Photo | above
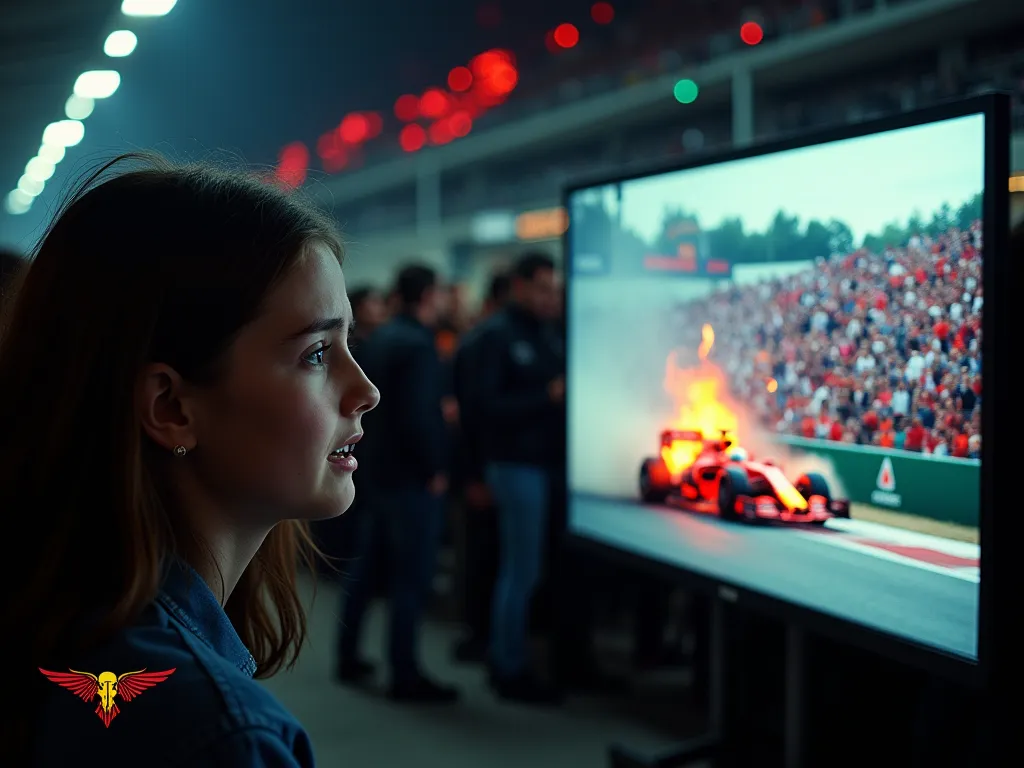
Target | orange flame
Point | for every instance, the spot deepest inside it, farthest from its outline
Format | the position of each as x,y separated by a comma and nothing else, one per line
707,341
699,406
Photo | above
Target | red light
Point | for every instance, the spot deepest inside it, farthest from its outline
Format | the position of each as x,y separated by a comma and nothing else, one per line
484,63
434,103
355,128
407,108
495,77
506,56
501,81
471,105
460,123
293,163
374,124
566,36
412,137
460,79
441,132
328,145
602,13
751,33
336,162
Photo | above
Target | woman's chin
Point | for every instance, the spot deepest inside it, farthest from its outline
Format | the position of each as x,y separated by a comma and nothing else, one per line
339,502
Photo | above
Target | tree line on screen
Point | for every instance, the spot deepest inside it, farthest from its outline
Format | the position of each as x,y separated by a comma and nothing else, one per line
786,239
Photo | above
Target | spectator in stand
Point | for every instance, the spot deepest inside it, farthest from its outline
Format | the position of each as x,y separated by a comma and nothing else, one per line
873,348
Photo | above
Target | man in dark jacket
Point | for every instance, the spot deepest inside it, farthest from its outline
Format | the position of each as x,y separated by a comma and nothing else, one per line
404,462
520,389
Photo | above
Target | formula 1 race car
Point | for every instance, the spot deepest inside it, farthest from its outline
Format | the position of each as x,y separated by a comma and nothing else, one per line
715,476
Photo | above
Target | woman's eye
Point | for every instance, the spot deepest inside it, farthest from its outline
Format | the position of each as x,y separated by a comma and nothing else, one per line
316,357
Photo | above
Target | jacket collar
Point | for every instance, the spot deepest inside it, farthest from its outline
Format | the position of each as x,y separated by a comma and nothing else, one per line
190,600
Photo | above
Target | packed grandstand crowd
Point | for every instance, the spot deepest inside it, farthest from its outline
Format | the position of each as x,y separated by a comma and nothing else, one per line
878,349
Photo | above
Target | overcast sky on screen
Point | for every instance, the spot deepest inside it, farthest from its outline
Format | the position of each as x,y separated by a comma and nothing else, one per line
866,182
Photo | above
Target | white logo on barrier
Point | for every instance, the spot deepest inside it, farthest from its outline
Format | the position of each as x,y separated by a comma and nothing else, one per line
885,495
886,477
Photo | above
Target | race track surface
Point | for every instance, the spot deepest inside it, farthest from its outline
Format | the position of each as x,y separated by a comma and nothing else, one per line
826,570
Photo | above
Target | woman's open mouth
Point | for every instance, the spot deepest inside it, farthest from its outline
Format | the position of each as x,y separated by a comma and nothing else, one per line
342,457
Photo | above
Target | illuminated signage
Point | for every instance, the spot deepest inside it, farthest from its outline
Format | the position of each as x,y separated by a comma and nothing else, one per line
545,224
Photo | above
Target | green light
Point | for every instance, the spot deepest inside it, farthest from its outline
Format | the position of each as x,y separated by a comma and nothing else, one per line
685,91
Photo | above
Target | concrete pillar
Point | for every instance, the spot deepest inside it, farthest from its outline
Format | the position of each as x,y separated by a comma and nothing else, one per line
742,107
476,184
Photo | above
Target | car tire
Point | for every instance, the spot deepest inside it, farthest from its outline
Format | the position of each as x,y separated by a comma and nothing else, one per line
650,492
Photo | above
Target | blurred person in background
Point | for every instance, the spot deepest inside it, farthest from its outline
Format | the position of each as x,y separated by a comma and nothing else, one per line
480,518
406,471
370,311
520,389
337,538
192,404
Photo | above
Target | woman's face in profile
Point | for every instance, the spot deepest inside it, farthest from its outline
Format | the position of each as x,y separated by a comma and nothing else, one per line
290,397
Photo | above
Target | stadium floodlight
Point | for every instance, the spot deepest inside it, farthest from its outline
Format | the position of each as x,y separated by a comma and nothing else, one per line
147,7
17,202
31,187
52,152
40,169
97,84
120,43
64,133
78,107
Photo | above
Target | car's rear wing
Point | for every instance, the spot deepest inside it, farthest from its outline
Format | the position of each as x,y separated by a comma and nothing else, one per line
670,436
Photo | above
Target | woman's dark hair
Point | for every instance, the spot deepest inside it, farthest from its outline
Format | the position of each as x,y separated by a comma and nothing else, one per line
11,264
146,263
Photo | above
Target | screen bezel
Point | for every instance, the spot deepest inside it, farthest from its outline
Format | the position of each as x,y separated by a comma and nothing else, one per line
995,230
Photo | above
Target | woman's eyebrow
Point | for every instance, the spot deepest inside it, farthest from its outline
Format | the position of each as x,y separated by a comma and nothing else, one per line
321,325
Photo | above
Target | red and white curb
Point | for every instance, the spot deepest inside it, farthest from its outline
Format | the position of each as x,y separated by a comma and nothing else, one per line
957,559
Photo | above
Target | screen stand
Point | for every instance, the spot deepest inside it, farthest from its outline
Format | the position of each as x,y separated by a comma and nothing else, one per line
714,744
793,724
702,747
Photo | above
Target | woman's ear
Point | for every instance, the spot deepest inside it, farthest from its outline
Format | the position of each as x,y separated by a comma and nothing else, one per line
163,407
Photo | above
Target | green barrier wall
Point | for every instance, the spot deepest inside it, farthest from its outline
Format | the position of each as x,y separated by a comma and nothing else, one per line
938,488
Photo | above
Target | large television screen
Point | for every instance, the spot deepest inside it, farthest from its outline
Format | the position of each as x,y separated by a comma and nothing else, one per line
775,374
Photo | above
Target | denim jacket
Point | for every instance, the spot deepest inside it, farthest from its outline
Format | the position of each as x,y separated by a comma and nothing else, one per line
208,712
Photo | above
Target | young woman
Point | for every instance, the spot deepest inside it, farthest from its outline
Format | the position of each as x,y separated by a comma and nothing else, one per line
177,401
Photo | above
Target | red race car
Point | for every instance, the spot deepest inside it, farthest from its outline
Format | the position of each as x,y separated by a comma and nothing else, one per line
716,476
